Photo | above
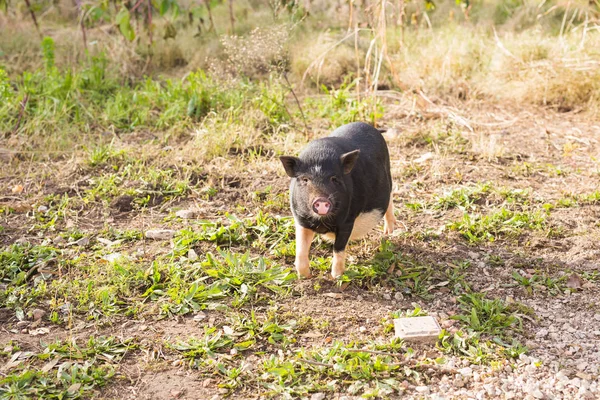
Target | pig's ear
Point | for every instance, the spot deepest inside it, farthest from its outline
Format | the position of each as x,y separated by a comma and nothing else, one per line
291,165
348,160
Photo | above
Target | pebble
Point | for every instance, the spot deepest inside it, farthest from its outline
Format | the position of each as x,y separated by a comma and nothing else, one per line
317,396
387,296
38,314
537,393
192,255
42,209
185,214
467,371
160,234
422,389
542,333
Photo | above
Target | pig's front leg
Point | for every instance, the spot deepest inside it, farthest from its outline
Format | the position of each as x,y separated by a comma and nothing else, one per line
304,237
338,266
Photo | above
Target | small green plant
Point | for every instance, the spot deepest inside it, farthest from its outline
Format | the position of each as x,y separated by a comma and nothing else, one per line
476,228
483,315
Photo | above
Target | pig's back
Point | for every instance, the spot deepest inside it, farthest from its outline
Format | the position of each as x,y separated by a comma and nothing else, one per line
370,141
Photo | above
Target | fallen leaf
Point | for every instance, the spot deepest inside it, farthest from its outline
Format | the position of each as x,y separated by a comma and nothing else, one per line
17,189
39,331
51,364
343,286
424,157
574,282
74,388
391,268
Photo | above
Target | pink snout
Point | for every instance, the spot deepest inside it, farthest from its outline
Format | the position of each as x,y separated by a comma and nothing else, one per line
321,206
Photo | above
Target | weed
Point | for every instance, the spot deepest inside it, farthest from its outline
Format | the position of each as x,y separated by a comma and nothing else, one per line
540,281
477,228
478,351
486,316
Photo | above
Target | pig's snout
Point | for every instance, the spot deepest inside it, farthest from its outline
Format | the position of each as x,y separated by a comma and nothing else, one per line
321,206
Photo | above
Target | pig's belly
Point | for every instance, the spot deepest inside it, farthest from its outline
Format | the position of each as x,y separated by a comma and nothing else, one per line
363,224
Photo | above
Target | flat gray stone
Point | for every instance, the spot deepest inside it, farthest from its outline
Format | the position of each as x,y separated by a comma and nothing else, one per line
419,329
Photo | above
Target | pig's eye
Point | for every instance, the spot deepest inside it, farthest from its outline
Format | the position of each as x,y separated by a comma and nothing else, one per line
335,179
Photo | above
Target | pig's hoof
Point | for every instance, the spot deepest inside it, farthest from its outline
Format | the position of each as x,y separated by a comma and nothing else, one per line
336,273
305,273
388,227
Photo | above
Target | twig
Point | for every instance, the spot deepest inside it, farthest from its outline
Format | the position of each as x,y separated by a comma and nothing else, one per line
319,364
23,105
210,18
150,20
37,27
383,353
81,23
297,102
136,5
501,46
231,17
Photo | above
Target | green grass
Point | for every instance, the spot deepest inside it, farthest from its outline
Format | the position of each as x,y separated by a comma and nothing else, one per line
487,316
498,224
63,369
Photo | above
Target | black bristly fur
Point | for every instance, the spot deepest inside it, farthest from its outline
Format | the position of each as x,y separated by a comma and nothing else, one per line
366,187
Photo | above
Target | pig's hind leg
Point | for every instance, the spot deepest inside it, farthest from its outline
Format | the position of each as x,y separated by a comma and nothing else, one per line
389,221
304,238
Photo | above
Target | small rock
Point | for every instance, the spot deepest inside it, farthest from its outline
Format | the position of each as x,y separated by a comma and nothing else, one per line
562,375
582,366
317,396
113,257
185,214
42,209
84,241
176,394
200,316
192,256
387,296
422,389
398,296
362,329
467,371
542,333
233,352
59,240
160,234
597,317
38,314
537,393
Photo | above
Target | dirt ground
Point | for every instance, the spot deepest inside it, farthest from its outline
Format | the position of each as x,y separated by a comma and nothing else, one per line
551,155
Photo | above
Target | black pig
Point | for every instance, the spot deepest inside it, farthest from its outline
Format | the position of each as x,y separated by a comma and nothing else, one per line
341,187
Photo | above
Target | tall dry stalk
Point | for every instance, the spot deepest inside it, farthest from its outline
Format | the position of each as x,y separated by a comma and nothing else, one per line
231,18
210,17
37,27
